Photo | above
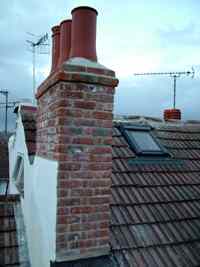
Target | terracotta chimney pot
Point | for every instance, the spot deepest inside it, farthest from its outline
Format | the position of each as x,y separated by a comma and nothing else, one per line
55,47
65,40
172,114
83,43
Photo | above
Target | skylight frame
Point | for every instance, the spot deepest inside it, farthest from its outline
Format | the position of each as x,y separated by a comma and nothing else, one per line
133,144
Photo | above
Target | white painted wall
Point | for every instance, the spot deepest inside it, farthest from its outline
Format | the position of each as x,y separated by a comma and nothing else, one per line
40,211
40,199
17,145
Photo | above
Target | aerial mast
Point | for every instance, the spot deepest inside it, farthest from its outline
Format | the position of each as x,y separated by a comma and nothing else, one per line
6,105
42,41
174,75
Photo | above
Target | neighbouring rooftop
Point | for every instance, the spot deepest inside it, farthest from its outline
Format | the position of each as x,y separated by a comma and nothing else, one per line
4,163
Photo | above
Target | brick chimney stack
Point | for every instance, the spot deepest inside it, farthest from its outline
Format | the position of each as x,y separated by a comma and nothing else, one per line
172,114
75,111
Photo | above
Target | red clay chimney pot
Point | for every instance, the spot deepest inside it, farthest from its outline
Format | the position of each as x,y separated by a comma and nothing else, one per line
65,40
83,43
172,114
55,47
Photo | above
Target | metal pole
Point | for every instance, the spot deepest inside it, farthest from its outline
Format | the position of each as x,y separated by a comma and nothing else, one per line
175,91
5,93
6,113
34,45
33,71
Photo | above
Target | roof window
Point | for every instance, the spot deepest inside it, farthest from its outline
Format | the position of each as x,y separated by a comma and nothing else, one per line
142,140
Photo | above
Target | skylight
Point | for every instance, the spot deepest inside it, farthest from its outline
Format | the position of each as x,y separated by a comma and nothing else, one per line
142,141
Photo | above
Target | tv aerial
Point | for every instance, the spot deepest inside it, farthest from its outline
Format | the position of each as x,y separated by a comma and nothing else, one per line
39,45
174,75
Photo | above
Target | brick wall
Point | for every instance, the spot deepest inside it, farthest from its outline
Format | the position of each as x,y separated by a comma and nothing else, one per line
74,126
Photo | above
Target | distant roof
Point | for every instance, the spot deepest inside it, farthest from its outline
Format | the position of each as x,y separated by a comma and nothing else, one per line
9,248
4,162
28,115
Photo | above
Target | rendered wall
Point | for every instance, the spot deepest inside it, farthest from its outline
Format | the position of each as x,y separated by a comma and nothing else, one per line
40,211
39,202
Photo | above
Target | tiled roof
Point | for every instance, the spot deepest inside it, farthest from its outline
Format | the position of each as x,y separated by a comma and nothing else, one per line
8,235
28,115
102,261
155,210
155,207
4,162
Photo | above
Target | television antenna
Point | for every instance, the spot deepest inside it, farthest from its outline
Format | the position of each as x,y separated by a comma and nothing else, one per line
35,46
6,105
174,75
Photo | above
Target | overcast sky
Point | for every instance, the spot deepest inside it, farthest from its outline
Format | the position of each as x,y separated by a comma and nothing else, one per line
132,36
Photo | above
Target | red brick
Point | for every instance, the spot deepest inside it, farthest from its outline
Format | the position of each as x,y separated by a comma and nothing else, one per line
101,158
88,243
60,238
69,166
61,219
73,94
108,141
99,200
75,227
60,157
99,166
70,183
62,193
83,140
63,211
102,115
101,150
102,191
85,104
82,210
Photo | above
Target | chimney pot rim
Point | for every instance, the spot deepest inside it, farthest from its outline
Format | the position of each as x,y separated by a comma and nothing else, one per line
172,110
66,21
55,29
84,7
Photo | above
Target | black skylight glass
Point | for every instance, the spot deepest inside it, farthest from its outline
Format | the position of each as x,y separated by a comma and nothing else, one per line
142,140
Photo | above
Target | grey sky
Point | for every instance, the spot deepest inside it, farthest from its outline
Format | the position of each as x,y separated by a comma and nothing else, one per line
132,36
